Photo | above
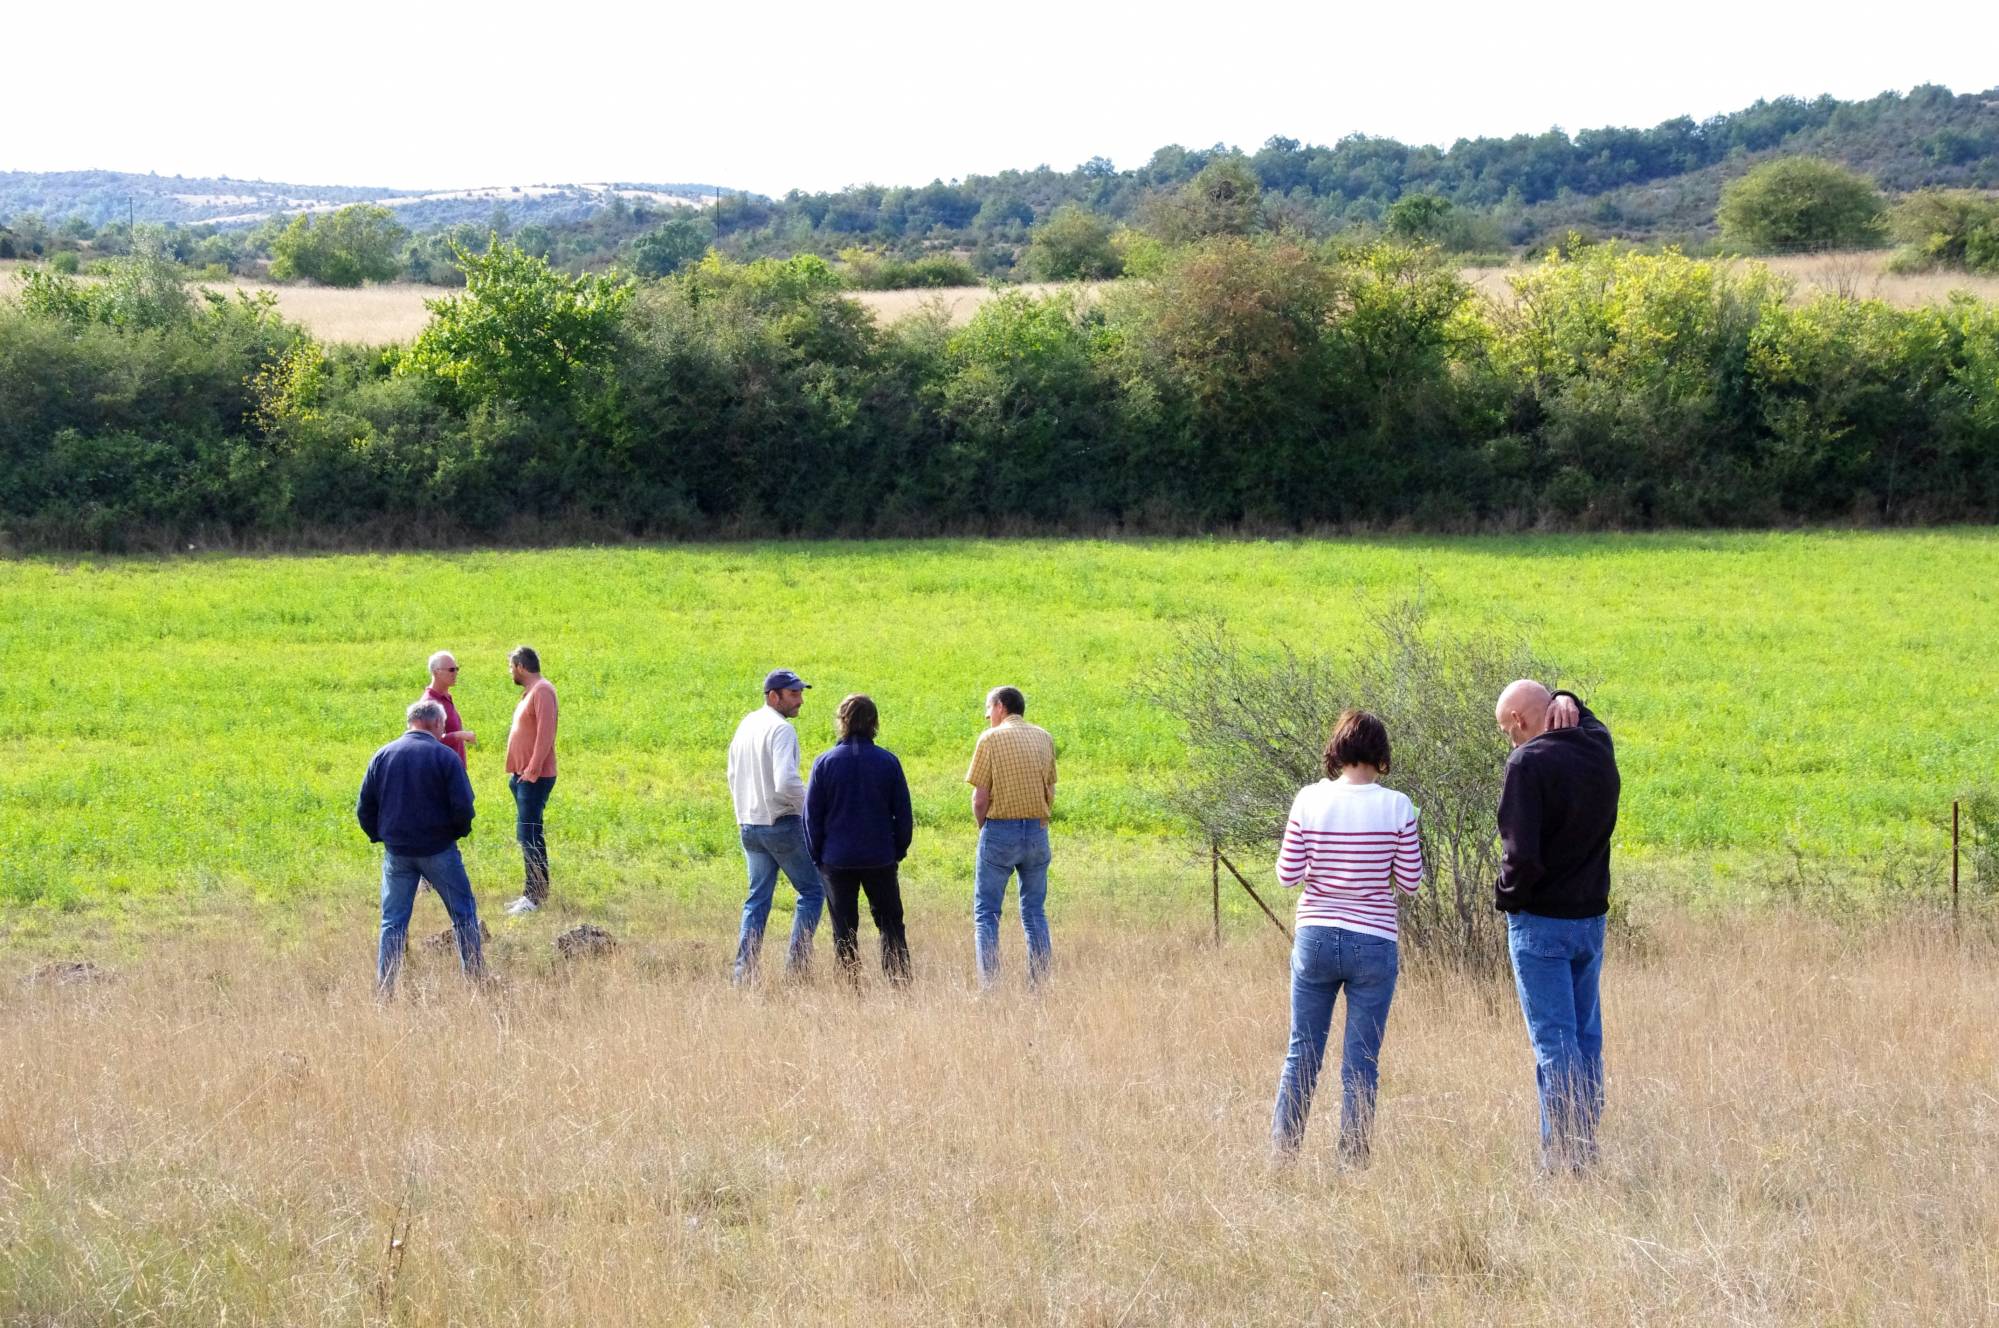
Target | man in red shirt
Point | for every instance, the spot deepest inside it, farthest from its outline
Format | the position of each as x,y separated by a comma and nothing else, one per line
443,677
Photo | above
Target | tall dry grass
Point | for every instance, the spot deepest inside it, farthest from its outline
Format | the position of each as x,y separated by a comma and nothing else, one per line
1803,1128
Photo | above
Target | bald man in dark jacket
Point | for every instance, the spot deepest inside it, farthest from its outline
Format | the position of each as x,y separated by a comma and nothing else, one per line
1557,812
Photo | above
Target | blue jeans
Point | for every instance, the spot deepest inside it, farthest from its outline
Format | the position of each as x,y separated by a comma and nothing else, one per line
1556,965
530,800
767,848
1007,847
1323,960
446,873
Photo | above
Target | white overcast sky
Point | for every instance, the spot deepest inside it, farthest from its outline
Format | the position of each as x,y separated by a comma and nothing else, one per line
778,96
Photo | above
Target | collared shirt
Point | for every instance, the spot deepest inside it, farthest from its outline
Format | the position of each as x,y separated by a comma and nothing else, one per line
763,769
1015,763
531,740
452,724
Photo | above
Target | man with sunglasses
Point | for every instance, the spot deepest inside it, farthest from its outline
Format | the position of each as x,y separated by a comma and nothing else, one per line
443,677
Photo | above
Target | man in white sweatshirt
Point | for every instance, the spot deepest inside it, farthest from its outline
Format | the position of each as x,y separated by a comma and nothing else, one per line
770,802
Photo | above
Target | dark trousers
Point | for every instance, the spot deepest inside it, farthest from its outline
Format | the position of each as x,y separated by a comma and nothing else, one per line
529,802
844,888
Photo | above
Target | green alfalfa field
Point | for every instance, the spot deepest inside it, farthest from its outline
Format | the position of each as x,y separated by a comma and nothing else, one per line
211,1120
183,736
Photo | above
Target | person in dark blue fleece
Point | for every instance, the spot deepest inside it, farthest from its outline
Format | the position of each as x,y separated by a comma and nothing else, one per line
858,827
416,802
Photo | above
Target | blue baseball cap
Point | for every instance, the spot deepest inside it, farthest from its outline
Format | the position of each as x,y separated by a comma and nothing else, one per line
783,680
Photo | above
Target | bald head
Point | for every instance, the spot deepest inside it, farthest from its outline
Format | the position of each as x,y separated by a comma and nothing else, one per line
1522,711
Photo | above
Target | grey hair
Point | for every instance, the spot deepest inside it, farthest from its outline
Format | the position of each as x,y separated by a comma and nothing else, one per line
525,657
439,658
1010,697
425,715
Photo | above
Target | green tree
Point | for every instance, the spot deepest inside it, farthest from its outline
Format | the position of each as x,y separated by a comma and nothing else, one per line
1073,244
355,244
521,332
664,250
1800,203
1225,198
1956,228
1417,217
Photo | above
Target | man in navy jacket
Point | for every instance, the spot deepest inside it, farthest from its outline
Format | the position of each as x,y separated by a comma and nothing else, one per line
416,802
858,827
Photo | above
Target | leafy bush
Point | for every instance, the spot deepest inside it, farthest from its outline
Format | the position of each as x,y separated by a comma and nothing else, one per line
666,249
1244,381
1949,228
870,269
1633,370
345,248
1073,244
1795,204
1225,198
521,333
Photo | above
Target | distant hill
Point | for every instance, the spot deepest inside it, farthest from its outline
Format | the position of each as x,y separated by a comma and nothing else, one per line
111,196
1660,183
1657,185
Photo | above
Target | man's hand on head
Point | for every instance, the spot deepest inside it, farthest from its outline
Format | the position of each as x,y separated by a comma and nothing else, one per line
1563,713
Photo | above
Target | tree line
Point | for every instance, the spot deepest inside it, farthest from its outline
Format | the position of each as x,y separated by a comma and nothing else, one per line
1251,381
1481,195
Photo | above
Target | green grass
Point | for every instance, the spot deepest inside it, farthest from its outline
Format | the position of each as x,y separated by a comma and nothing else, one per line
186,733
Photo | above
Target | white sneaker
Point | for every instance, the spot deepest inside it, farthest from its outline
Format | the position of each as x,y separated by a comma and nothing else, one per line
521,906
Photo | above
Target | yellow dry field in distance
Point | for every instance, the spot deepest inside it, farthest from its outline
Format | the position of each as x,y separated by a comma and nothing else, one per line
376,315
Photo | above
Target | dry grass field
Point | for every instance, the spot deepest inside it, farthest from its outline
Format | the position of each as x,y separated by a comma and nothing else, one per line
1803,1129
395,312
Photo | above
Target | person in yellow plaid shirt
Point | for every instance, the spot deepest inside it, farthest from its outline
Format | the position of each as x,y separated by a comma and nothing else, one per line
1013,793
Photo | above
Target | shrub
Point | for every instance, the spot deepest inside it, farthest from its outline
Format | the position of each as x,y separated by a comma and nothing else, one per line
1225,198
345,248
1950,228
1634,370
1073,244
1800,203
870,269
522,332
1256,726
666,249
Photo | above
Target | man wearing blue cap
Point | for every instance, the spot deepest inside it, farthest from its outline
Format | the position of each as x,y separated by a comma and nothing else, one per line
770,802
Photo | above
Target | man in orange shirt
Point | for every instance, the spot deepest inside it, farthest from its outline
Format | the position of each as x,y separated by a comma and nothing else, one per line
531,772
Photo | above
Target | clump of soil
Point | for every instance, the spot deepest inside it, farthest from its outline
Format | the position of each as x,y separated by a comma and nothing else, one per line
584,940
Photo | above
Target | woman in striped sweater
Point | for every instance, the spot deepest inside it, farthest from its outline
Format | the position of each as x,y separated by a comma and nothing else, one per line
1350,843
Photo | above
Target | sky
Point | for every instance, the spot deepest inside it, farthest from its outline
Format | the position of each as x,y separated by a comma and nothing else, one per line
783,95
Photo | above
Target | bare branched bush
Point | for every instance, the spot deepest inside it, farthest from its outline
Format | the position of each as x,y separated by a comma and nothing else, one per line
1981,840
1257,723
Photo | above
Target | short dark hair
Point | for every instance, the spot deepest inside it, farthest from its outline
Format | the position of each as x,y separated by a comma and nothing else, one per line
525,657
1010,697
857,717
1358,739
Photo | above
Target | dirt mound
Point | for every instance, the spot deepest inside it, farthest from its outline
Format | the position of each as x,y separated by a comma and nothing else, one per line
447,940
587,939
68,973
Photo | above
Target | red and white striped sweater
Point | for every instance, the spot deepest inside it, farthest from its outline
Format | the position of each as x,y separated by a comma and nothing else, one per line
1350,845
